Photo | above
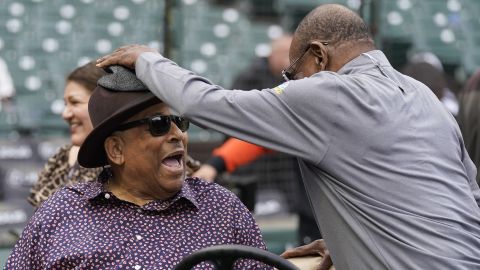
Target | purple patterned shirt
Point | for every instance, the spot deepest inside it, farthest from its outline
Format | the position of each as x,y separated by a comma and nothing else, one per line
85,227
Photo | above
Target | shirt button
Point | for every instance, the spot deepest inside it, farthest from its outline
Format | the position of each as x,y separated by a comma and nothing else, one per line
139,210
137,267
138,237
107,196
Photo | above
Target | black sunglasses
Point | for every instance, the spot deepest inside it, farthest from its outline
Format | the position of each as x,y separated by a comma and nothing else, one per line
289,73
158,125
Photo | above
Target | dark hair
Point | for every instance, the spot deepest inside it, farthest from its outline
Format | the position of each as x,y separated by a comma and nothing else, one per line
87,75
332,23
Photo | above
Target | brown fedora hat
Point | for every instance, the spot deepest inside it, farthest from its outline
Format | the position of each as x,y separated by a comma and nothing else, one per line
107,110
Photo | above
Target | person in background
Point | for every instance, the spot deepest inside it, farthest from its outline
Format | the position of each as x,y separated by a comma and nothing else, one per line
262,74
142,212
384,164
469,118
62,168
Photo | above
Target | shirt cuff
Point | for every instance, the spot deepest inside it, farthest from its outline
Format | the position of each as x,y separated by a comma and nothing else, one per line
143,60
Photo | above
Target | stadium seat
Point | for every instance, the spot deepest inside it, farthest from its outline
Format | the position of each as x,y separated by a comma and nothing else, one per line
438,30
292,11
42,41
8,121
470,25
396,20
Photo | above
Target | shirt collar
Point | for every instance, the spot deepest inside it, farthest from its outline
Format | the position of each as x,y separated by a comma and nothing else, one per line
95,191
363,62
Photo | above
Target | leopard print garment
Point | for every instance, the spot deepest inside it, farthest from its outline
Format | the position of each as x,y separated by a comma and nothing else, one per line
58,173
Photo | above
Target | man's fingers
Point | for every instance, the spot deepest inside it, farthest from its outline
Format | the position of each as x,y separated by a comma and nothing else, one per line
326,262
105,61
114,57
289,254
317,247
123,48
125,56
298,252
126,47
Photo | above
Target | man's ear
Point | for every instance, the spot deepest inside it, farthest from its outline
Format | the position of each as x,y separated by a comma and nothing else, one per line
319,51
114,148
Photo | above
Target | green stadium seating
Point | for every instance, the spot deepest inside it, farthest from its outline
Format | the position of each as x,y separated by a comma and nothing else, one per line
470,25
437,30
8,120
396,21
42,41
292,11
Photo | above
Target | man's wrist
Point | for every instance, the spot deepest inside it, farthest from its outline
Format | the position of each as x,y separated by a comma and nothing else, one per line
142,61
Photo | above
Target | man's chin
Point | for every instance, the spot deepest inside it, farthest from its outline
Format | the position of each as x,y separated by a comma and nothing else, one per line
175,186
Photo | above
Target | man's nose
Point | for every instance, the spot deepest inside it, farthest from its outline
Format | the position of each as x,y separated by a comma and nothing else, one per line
175,134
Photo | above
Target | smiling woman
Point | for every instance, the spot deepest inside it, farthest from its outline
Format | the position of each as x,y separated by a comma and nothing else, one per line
62,169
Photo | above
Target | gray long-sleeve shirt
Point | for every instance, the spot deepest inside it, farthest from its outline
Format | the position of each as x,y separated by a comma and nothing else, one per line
383,162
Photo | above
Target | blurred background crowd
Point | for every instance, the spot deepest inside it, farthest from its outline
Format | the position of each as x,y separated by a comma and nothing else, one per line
228,41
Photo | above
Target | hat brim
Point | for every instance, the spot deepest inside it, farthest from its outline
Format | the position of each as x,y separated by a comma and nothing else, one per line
92,152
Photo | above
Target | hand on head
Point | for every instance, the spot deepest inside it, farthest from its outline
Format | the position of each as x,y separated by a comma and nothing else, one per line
125,56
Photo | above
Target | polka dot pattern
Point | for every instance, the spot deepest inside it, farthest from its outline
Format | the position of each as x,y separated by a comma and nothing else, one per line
86,227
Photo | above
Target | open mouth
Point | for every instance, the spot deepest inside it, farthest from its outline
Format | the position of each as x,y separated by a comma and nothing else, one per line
173,160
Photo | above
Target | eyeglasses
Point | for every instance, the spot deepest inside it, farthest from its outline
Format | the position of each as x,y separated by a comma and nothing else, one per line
158,125
289,73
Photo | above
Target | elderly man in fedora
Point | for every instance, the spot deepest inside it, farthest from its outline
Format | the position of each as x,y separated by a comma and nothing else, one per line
142,213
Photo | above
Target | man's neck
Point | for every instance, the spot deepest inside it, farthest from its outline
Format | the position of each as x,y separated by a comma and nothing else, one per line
126,193
346,53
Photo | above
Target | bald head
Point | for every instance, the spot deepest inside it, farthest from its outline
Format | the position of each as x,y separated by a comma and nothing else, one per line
327,38
333,24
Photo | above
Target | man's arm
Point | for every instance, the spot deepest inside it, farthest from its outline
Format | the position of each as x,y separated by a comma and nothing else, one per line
295,118
236,153
228,157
